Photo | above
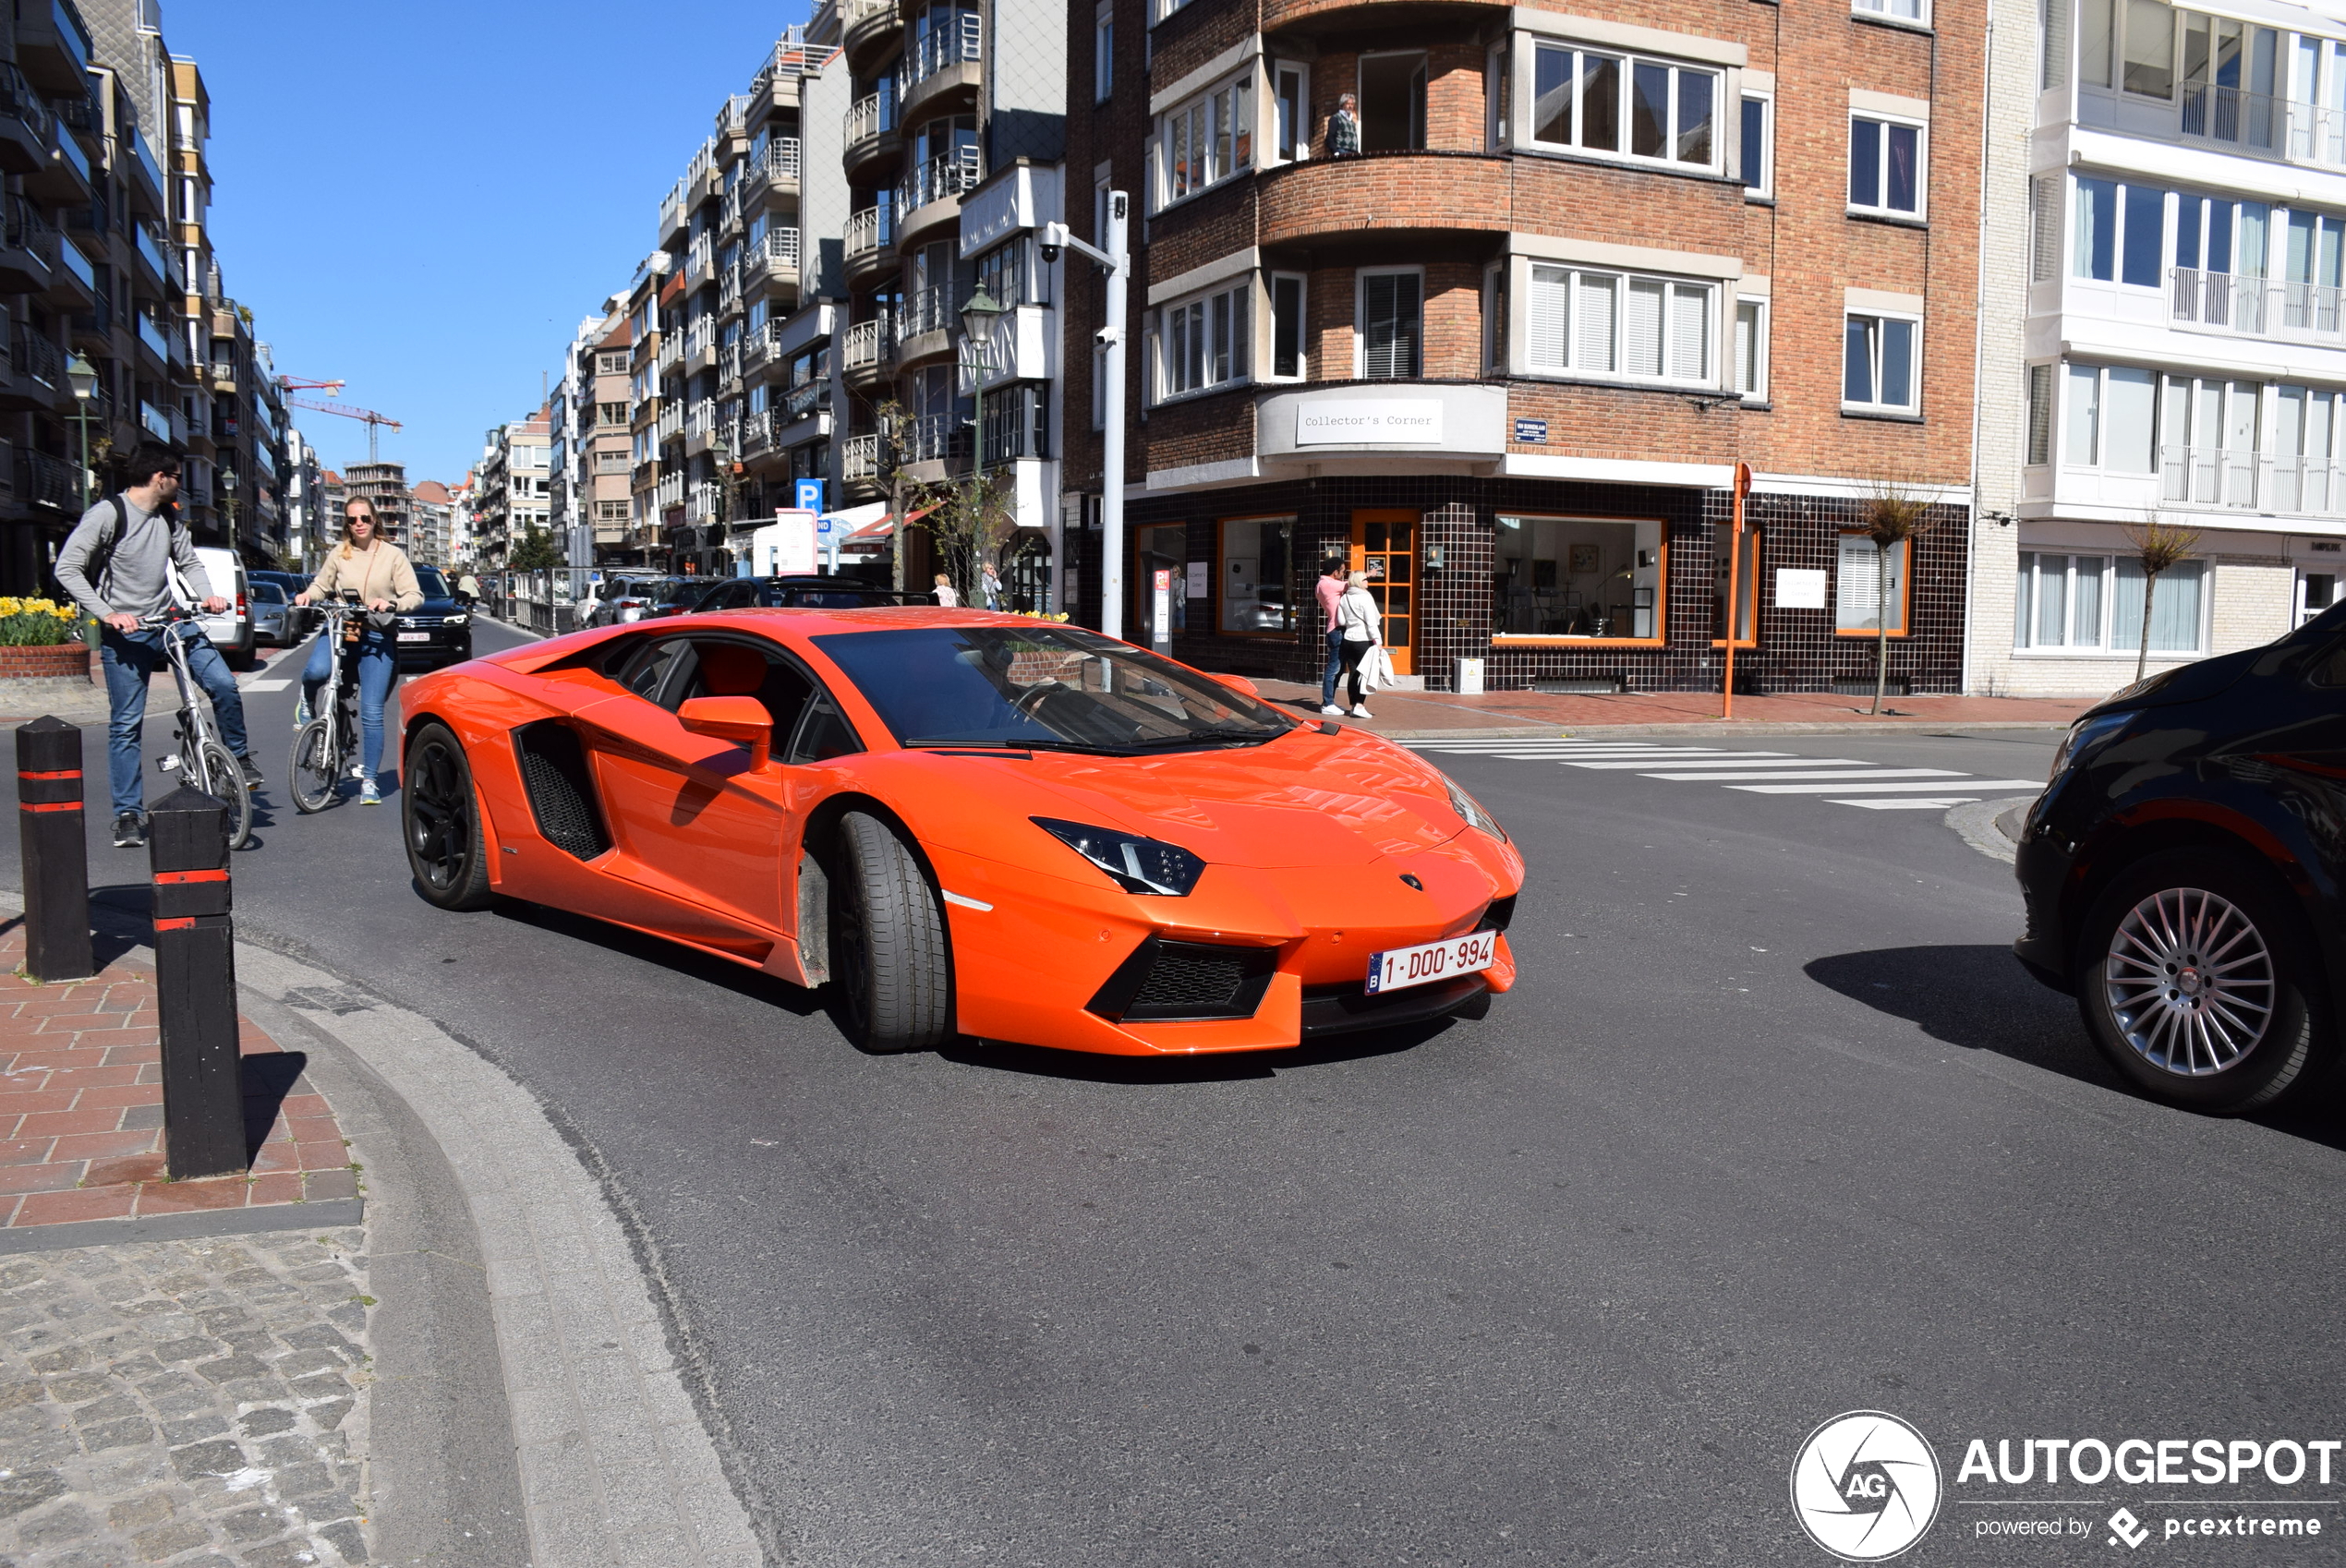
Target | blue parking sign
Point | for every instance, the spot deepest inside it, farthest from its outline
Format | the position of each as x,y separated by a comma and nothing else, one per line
810,495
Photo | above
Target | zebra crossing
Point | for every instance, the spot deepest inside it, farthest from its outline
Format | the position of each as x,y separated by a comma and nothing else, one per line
1841,782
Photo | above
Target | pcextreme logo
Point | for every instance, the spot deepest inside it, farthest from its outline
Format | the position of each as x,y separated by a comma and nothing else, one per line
1865,1486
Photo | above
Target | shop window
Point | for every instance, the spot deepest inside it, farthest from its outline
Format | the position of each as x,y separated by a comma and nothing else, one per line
1392,103
1578,577
1861,592
1257,576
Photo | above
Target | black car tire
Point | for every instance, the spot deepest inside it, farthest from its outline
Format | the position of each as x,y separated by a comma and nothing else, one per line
2249,910
891,967
440,822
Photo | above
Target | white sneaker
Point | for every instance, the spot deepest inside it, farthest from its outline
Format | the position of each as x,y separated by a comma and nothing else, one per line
1330,708
1359,712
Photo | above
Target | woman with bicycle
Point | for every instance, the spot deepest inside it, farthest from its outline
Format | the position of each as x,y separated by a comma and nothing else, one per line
378,572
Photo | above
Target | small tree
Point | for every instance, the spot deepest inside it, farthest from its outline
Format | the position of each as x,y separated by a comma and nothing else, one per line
2159,546
969,523
1893,515
535,553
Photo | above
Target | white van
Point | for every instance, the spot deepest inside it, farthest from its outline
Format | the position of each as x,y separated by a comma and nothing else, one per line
232,631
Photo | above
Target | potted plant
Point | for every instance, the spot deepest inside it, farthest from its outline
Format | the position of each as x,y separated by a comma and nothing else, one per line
42,639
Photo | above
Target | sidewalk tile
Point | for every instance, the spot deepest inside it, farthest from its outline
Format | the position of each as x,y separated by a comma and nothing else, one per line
61,1207
105,1145
37,1178
323,1156
125,1172
180,1197
282,1186
63,1124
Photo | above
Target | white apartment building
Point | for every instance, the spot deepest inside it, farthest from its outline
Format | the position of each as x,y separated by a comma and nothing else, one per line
2181,350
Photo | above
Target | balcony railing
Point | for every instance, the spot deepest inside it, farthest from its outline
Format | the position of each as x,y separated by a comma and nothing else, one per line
2207,476
703,503
47,481
152,250
951,40
872,114
2253,125
803,399
147,161
859,457
702,420
38,358
671,423
78,265
670,491
872,229
792,59
70,148
757,432
938,178
935,438
781,160
870,343
17,98
671,352
928,310
156,423
2258,307
155,338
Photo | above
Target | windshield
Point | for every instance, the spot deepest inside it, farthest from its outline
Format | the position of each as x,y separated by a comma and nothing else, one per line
1050,687
434,586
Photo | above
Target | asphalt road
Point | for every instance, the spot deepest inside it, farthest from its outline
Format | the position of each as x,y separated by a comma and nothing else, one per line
1772,1128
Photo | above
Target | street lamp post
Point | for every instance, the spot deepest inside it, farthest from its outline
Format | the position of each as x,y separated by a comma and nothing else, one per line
977,358
83,377
1112,336
228,481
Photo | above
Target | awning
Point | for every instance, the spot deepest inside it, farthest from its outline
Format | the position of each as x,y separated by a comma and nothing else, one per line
885,529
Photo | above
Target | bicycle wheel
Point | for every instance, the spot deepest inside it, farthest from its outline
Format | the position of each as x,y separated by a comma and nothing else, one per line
225,782
314,769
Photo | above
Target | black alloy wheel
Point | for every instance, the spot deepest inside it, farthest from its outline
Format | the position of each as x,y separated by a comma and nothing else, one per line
446,848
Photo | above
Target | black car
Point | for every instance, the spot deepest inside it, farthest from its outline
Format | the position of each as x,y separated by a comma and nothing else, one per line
817,592
440,630
2182,873
681,596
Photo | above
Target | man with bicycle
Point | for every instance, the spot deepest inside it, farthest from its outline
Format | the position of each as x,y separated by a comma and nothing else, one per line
120,563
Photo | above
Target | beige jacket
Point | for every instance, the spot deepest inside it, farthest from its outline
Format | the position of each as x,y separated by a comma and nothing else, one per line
382,573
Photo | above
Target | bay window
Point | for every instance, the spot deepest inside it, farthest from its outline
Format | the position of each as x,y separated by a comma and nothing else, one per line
1593,102
1203,343
1582,321
2119,232
2113,419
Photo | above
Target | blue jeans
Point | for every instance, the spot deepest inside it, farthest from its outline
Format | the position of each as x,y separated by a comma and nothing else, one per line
378,667
1334,666
130,659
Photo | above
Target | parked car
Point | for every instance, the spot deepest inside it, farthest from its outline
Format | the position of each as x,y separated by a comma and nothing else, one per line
273,615
817,592
1082,844
231,631
681,596
300,620
625,600
437,633
2182,873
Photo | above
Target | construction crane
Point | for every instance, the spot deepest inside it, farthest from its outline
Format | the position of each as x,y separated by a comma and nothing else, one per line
374,421
303,383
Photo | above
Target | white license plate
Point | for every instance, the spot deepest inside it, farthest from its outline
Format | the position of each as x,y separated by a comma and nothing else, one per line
1398,969
415,636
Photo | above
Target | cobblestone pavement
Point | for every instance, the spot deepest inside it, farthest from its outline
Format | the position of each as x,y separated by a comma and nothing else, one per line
185,1402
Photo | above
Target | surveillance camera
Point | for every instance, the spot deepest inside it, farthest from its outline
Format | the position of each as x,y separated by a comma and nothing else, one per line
1051,254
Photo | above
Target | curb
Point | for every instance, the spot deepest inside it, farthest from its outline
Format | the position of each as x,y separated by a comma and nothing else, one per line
1980,825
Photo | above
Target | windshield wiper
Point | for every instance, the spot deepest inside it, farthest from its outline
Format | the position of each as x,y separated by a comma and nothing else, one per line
948,742
1224,735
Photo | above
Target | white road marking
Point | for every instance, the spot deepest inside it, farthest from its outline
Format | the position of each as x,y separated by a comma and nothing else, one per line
1816,773
1928,803
1982,784
1738,759
265,685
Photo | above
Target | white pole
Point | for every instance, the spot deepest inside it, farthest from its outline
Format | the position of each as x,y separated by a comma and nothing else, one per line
1112,439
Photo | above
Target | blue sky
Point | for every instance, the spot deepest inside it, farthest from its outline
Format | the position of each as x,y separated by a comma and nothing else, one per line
423,199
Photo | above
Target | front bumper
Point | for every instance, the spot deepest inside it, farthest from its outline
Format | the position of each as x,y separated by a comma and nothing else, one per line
442,644
1034,953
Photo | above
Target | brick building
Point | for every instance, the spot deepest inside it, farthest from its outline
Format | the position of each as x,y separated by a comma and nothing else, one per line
1491,301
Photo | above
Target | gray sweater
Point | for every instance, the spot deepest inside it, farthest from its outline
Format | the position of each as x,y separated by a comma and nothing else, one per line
136,580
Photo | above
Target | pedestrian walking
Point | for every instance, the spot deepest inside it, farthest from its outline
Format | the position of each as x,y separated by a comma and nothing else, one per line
379,573
128,558
944,592
1362,625
1344,128
990,584
1330,593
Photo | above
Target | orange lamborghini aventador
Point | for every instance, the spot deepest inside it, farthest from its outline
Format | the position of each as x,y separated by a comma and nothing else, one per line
965,822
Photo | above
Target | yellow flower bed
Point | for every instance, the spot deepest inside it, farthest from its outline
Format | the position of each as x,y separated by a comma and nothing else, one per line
36,623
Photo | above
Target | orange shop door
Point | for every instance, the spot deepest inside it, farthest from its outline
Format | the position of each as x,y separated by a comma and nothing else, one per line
1384,555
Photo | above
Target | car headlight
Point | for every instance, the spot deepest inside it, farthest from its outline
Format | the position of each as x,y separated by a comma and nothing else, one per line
2087,735
459,619
1132,863
1470,812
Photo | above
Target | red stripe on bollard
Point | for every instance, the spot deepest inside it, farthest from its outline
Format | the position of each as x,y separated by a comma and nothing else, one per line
54,773
49,805
176,876
182,924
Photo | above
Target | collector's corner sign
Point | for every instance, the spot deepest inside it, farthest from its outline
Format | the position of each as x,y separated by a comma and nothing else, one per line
1369,421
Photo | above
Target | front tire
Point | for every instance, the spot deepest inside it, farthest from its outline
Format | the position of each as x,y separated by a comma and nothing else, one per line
2197,978
313,772
892,964
441,820
225,782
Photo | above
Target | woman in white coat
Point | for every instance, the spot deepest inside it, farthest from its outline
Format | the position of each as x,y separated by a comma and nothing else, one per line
1363,625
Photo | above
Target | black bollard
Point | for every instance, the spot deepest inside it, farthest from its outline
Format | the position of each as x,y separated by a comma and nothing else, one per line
57,856
203,1105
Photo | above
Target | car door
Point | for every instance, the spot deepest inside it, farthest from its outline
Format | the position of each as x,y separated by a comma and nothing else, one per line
694,826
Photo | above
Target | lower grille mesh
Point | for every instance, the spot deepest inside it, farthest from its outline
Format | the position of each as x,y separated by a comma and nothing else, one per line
553,769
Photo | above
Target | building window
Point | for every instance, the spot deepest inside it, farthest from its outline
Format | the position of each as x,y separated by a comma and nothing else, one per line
1860,591
1751,349
1207,139
1013,275
1202,342
1257,576
1015,423
1757,147
2044,227
1292,101
1902,10
1392,103
2316,591
2207,432
1593,323
1620,104
1287,326
2304,444
1580,577
1885,167
2039,415
1102,54
2113,419
1392,324
2118,231
611,364
1879,373
2094,604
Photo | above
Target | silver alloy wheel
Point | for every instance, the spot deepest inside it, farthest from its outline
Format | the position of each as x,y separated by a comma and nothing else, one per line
2190,981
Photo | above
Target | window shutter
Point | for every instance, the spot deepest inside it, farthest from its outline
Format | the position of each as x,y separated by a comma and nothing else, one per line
1548,324
1689,333
1595,350
1859,592
1644,334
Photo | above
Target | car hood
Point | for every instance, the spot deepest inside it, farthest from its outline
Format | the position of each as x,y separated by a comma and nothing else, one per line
1305,798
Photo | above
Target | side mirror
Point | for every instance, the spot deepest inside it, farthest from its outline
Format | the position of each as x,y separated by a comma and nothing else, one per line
739,719
1239,683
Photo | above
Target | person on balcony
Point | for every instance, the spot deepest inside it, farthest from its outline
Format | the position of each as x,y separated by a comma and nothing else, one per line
1344,128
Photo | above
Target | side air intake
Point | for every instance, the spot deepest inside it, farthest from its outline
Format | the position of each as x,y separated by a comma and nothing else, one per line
561,790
